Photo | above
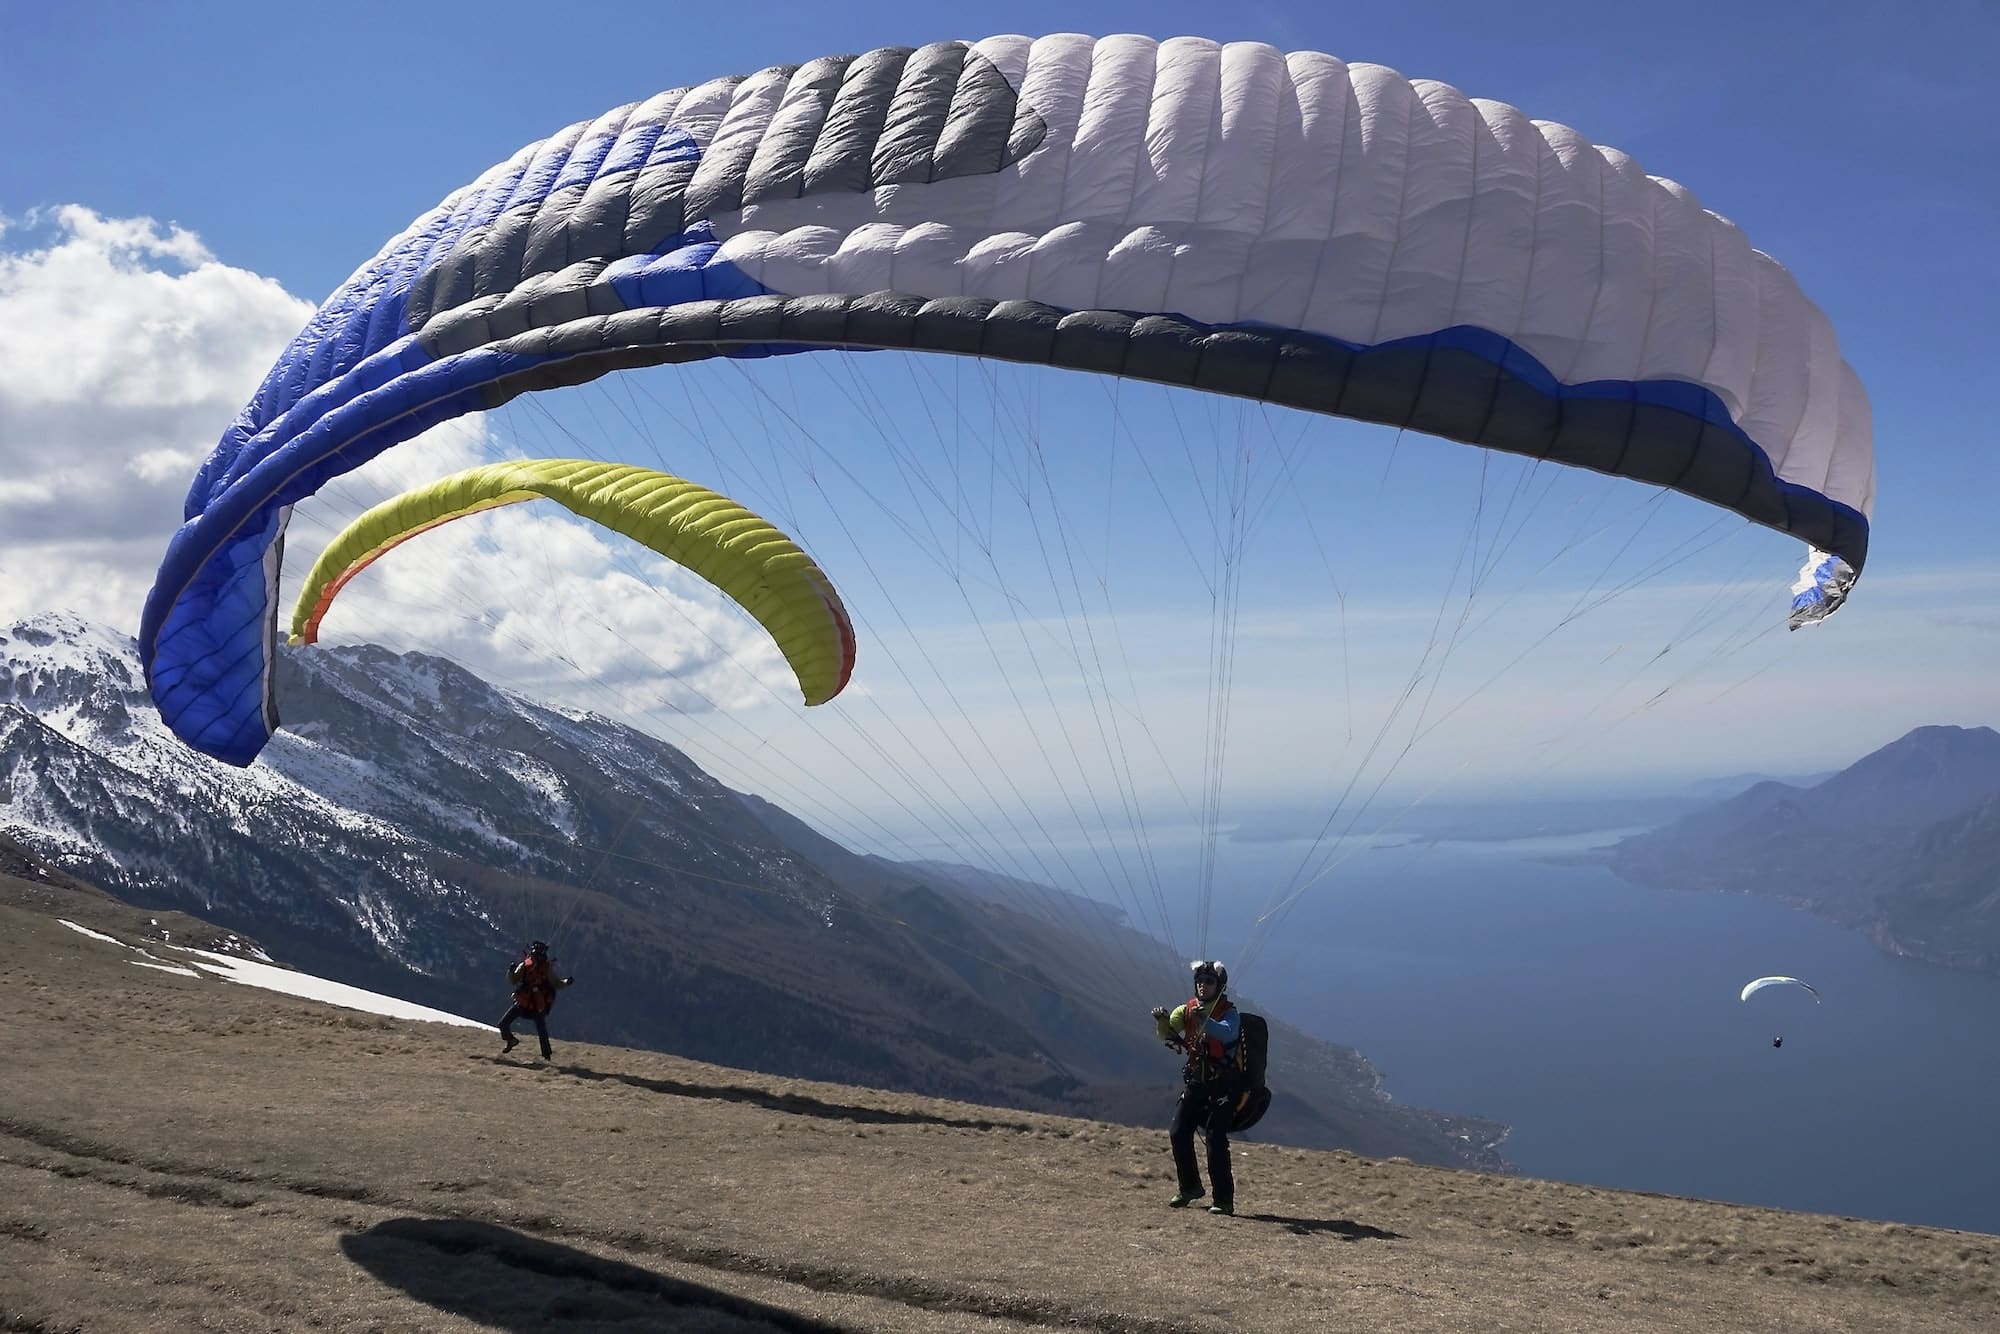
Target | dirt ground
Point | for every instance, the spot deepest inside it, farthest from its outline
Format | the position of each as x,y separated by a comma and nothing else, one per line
180,1153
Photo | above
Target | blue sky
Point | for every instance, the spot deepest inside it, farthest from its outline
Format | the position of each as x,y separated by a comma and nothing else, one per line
225,166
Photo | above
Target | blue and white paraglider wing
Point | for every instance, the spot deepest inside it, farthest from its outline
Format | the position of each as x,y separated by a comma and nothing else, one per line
1291,228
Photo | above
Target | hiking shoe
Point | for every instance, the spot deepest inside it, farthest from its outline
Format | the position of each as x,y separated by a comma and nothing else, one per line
1182,1199
1226,1210
548,1055
511,1043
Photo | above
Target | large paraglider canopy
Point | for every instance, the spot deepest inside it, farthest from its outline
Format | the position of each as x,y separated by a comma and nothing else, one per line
1285,228
739,552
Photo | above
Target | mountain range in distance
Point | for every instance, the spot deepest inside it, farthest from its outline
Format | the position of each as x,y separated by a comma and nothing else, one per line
1903,844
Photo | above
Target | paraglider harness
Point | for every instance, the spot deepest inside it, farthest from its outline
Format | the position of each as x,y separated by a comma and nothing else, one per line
533,981
1252,1045
1246,1070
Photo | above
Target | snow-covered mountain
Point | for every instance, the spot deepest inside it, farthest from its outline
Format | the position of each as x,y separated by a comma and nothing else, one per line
411,825
387,762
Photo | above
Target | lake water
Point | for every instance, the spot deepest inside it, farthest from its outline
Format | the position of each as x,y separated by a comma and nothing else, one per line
1601,1022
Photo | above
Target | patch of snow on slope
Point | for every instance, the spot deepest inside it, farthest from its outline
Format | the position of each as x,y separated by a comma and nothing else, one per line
545,783
52,839
412,680
375,916
272,978
326,780
320,989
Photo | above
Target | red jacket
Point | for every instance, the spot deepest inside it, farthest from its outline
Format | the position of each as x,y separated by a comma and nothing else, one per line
535,985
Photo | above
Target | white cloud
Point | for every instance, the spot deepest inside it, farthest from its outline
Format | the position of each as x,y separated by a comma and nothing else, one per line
103,581
125,348
21,493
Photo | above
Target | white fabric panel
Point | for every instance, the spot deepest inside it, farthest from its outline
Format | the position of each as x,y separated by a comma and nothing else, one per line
1138,270
926,259
1434,217
1778,385
1563,268
1278,278
1616,334
1318,129
1009,54
1071,259
997,266
1313,136
1853,471
1232,183
1057,78
796,261
1351,277
1506,155
866,260
967,202
1236,189
1208,283
1733,363
1111,132
1180,128
1811,456
1681,332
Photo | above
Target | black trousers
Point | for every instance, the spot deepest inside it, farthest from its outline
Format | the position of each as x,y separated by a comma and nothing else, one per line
541,1021
1208,1108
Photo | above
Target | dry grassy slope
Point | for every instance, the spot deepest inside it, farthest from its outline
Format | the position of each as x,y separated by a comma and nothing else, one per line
180,1153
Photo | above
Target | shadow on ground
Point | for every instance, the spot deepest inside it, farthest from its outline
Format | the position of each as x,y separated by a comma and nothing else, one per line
794,1104
511,1281
1344,1228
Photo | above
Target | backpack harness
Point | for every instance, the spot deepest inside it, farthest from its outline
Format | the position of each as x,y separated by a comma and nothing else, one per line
1208,1060
534,985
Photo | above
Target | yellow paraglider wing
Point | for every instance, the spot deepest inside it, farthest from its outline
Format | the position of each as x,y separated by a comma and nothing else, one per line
744,555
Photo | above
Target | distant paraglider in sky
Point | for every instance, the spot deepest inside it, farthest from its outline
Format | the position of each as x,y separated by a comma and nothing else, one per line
742,554
1752,988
